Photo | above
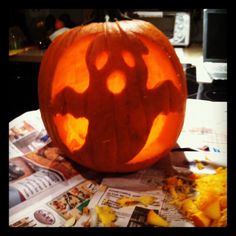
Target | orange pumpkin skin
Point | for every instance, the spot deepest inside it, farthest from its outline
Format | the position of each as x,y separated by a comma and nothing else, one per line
112,95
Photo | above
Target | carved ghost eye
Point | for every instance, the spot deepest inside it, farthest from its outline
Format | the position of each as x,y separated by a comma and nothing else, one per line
101,60
128,58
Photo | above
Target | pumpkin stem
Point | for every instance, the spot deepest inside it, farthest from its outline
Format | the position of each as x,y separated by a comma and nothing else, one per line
105,15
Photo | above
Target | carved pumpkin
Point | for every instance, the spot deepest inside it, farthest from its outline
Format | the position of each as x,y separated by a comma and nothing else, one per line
112,95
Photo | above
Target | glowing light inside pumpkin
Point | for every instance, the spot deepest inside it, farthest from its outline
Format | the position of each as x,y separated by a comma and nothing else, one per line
72,130
75,77
154,72
128,58
158,65
156,129
116,82
154,142
101,60
74,71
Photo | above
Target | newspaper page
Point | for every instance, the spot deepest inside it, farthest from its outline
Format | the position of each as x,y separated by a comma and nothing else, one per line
62,207
35,172
136,188
26,134
143,184
205,126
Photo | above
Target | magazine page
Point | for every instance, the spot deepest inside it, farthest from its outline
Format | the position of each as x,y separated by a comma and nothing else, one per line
62,207
26,134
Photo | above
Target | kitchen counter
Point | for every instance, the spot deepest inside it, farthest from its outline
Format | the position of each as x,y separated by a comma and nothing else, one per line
30,54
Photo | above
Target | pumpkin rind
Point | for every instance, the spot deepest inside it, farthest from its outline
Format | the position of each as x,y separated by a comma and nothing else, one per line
112,95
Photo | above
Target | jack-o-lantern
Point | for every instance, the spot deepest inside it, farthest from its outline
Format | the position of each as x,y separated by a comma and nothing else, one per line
112,95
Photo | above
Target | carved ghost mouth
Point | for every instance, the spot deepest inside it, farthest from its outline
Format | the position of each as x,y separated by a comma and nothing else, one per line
116,82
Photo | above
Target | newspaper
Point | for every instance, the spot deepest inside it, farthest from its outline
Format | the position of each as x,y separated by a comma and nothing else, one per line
27,134
144,183
36,172
46,189
55,208
149,182
205,126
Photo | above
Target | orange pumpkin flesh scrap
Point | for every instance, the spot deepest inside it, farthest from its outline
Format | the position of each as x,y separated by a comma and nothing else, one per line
112,95
207,207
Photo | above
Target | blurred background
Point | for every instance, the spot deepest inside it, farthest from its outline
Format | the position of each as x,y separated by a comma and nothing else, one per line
37,24
32,30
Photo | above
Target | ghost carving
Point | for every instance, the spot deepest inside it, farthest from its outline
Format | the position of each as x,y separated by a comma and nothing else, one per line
116,101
